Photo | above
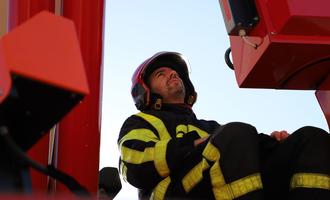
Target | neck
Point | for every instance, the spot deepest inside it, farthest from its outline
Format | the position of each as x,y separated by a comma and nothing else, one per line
177,107
174,99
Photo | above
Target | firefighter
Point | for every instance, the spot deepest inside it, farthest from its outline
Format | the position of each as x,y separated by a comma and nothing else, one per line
168,153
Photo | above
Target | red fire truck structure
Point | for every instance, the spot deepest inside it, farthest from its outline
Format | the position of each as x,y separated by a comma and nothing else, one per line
50,82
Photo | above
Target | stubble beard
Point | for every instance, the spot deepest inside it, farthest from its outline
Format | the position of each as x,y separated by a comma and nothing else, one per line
178,92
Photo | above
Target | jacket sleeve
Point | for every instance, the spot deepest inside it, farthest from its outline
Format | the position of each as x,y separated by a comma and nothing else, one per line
145,158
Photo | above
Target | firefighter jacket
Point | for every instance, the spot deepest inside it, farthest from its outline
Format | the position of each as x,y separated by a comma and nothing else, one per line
158,153
157,149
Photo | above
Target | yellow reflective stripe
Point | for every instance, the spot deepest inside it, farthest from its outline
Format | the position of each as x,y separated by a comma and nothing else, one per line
211,152
245,185
179,135
194,176
123,170
223,191
160,158
181,129
157,124
216,175
238,188
200,132
137,157
185,129
310,180
160,190
142,134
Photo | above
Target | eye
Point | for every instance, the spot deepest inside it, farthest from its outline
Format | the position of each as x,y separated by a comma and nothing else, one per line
159,74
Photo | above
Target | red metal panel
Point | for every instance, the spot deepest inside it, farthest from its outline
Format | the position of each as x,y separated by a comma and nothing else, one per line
300,17
79,132
45,50
20,11
283,60
293,45
58,36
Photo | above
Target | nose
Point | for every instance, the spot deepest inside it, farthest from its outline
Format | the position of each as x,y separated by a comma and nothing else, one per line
173,74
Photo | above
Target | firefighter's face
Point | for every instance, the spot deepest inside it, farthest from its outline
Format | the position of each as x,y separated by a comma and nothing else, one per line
167,83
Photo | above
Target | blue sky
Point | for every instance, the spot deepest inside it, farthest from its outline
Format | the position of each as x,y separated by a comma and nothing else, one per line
135,30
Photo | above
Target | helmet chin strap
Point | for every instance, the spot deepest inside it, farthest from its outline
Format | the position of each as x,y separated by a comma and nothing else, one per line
191,100
156,101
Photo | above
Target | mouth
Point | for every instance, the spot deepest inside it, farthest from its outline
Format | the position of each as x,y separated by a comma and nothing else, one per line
173,80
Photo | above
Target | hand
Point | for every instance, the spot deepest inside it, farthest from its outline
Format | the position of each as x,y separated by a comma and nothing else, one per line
200,140
279,135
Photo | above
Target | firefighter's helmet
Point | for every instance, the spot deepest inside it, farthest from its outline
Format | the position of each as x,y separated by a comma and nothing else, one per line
140,90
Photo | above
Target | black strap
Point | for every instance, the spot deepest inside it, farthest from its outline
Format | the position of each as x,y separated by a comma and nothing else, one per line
66,179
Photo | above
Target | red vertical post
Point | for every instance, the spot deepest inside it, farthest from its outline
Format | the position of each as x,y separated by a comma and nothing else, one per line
19,12
79,131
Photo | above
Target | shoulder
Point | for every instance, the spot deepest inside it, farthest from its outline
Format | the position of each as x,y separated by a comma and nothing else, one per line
209,125
211,122
136,121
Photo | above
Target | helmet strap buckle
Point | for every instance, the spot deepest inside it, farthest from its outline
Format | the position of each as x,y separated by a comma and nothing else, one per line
191,100
158,104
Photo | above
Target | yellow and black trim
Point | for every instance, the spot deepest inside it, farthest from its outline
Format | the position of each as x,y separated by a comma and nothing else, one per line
160,158
157,124
134,156
194,176
235,189
160,147
238,188
310,180
211,152
160,190
183,129
200,132
142,134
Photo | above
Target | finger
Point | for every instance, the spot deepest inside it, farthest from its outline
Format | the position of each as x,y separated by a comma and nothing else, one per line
274,133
